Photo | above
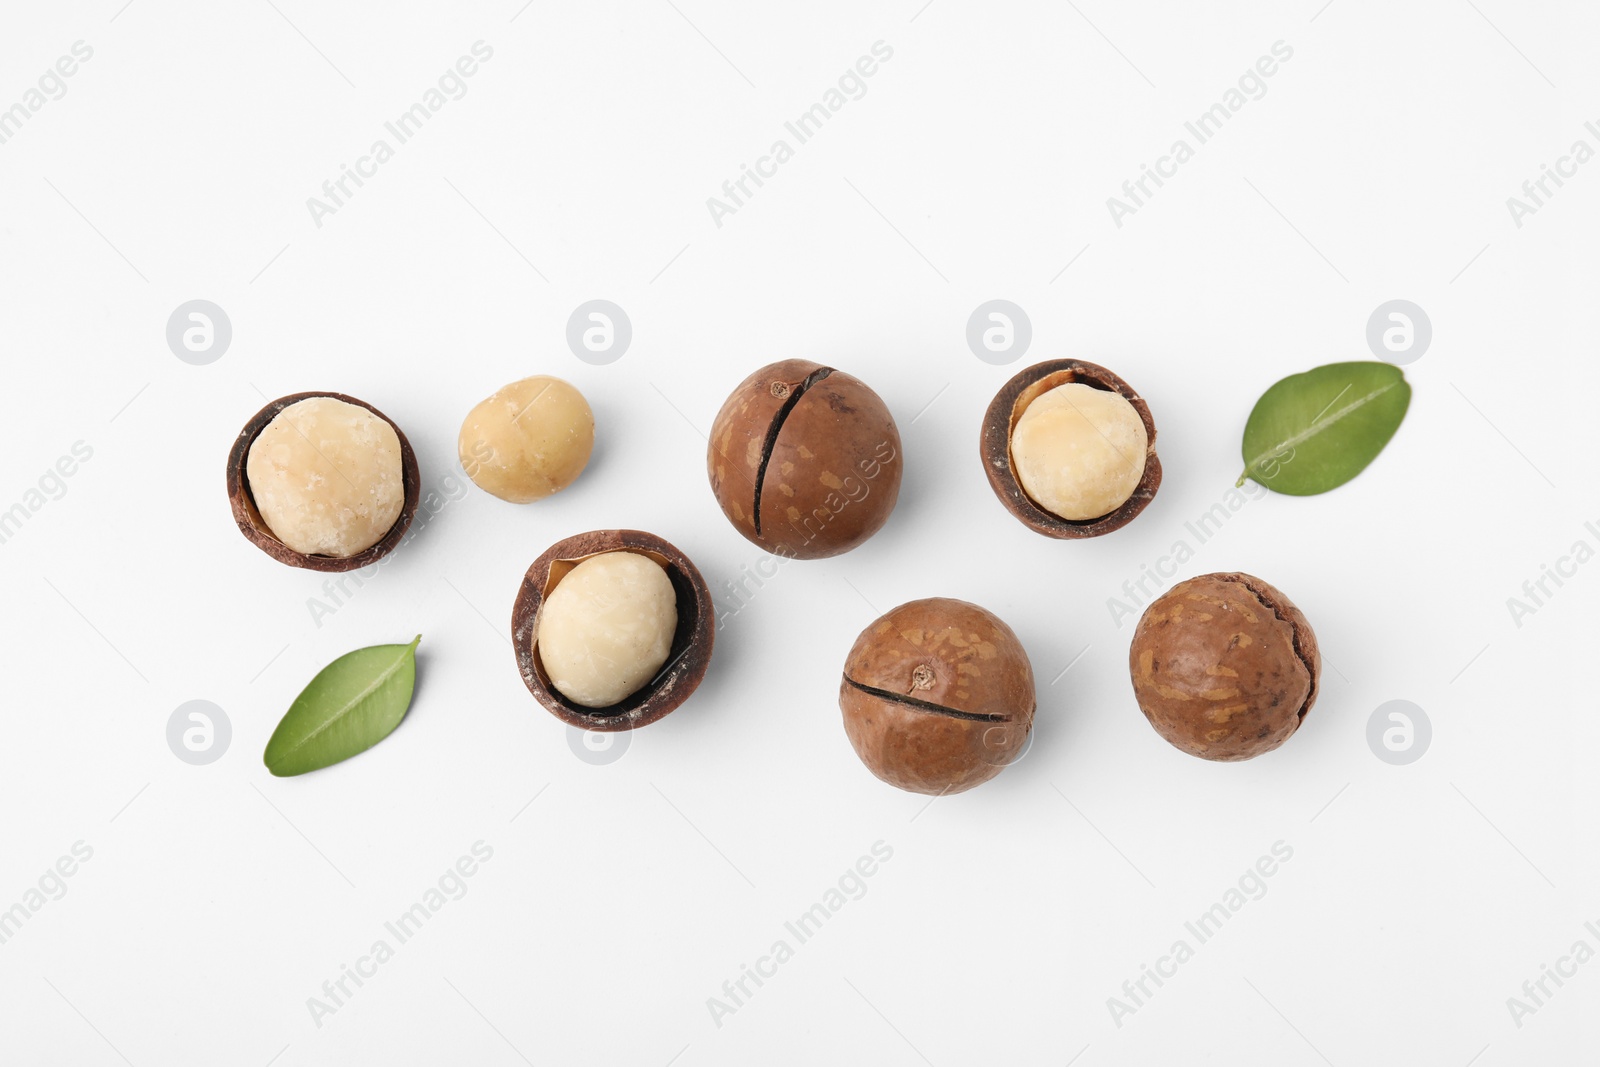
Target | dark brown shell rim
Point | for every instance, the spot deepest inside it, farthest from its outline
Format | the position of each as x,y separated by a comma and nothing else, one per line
1303,638
687,661
1001,420
255,528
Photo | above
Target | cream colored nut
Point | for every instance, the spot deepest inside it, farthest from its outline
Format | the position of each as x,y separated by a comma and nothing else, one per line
607,628
326,477
528,440
1080,451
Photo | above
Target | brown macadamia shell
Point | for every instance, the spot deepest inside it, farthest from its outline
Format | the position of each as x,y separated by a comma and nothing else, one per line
938,696
255,529
692,642
805,460
1007,410
1225,667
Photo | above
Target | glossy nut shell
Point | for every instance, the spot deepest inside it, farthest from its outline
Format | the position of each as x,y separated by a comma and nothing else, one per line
1225,667
804,460
938,696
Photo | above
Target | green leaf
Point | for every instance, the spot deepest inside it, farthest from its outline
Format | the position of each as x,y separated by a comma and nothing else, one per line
1313,432
352,704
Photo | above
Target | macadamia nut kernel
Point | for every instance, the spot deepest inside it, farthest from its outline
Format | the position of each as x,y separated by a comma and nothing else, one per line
529,440
607,628
1079,451
326,477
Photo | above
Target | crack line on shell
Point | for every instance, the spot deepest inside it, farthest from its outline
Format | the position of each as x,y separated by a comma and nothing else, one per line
924,705
1299,652
777,427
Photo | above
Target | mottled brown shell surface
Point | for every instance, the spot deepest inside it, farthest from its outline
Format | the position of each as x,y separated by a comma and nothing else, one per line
1006,410
1225,667
255,528
805,460
938,696
692,643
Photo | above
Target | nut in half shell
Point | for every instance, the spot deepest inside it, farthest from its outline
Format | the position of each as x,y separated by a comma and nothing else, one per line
323,481
805,460
1225,667
627,645
938,697
1070,449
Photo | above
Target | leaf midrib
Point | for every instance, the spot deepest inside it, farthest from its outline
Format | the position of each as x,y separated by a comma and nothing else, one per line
1318,426
378,682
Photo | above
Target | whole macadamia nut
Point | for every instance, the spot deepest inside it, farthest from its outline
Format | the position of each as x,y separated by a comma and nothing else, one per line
938,696
1080,451
607,628
1225,667
805,460
326,477
530,439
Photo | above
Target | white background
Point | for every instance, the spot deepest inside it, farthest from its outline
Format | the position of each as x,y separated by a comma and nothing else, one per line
977,165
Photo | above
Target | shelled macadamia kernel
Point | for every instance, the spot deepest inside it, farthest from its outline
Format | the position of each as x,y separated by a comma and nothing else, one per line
1080,451
607,628
326,477
529,440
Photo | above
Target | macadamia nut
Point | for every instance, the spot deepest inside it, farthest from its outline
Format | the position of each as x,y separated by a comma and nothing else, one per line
805,460
607,628
1079,451
529,440
1225,666
938,697
326,477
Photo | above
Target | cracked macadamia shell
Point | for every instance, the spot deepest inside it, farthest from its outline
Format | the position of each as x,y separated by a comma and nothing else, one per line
805,460
621,613
1069,448
1225,667
938,696
530,440
326,477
